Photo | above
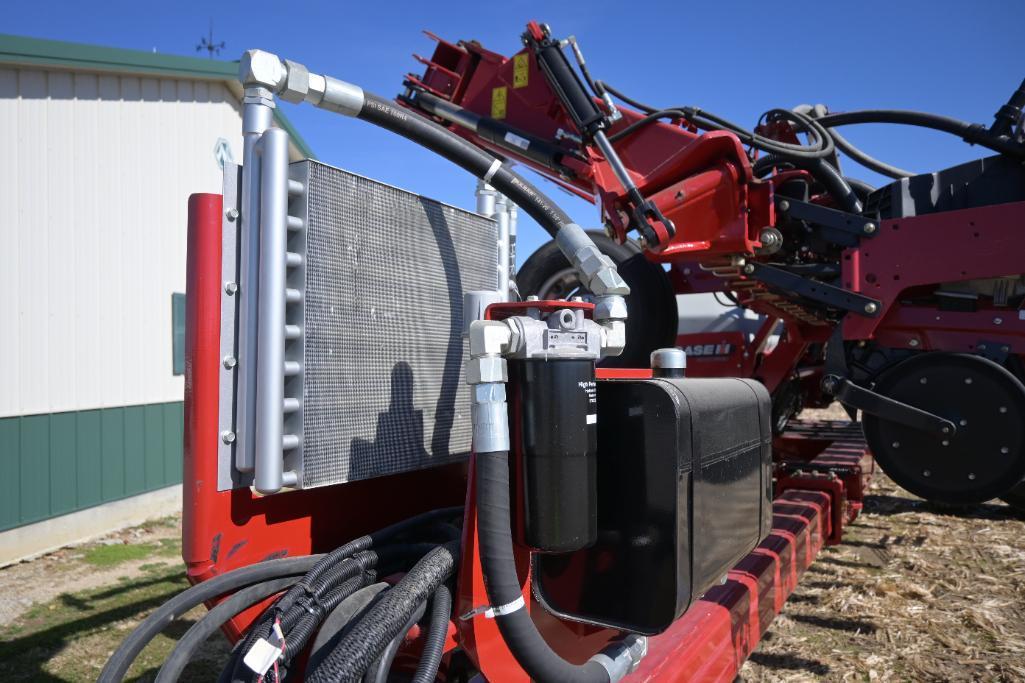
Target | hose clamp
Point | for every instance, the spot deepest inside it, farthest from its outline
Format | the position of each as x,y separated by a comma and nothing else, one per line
490,612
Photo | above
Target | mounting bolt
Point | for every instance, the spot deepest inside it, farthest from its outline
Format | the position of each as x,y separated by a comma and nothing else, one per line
869,228
998,321
982,347
1005,450
230,288
749,268
533,297
896,444
971,476
913,342
924,380
1003,409
228,436
967,380
577,299
926,473
945,430
963,422
871,307
784,205
1005,349
945,442
230,362
231,213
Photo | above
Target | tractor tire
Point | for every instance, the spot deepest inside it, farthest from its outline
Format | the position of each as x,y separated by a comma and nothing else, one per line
653,319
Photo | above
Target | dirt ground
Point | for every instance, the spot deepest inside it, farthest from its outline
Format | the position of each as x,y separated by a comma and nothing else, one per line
916,593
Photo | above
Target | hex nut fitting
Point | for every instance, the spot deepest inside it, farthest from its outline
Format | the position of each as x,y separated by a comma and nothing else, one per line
611,307
297,82
486,369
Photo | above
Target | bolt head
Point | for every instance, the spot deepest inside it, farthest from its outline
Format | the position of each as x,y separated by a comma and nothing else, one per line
229,362
231,213
871,307
982,347
971,476
924,380
228,436
749,268
533,297
869,228
998,321
945,442
784,205
896,444
1005,349
1003,409
926,473
963,422
1005,450
913,342
967,380
230,288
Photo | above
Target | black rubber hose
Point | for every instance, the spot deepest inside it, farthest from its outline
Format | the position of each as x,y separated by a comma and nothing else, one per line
437,632
378,671
387,115
869,162
974,133
182,653
118,664
358,649
824,172
503,585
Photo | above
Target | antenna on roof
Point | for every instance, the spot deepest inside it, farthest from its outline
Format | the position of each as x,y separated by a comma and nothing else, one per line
212,49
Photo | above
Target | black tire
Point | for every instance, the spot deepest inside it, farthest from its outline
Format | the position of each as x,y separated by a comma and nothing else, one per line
653,318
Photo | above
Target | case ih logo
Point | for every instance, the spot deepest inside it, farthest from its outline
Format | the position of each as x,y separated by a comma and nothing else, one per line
709,350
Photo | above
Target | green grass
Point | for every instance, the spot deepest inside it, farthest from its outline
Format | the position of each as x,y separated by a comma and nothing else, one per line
71,637
111,555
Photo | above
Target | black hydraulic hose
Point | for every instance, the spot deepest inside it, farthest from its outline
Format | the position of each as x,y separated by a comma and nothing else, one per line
437,632
378,671
387,115
503,585
182,653
824,172
974,133
860,187
358,649
118,664
869,162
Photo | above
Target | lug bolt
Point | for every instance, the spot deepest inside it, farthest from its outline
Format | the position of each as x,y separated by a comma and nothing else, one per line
230,288
230,362
232,213
228,436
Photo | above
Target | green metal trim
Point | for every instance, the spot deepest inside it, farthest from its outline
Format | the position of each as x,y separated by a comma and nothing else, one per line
39,52
58,463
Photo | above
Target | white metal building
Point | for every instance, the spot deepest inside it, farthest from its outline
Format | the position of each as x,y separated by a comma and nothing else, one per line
99,150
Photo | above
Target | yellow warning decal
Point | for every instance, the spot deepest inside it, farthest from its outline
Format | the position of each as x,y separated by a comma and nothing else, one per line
521,70
499,98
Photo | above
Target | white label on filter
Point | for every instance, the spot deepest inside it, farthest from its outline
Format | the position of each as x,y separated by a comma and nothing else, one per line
592,419
514,139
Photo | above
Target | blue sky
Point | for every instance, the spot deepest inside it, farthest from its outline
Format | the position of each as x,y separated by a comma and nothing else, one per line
736,59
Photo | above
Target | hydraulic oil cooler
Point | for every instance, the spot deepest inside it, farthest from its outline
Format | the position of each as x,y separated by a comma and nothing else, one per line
371,347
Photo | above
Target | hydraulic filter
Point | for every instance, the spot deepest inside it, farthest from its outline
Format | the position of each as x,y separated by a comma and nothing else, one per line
554,430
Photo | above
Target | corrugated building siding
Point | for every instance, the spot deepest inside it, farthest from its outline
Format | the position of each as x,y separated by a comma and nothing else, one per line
95,171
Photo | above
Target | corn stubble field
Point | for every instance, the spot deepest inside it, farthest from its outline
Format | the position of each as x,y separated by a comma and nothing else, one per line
916,593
